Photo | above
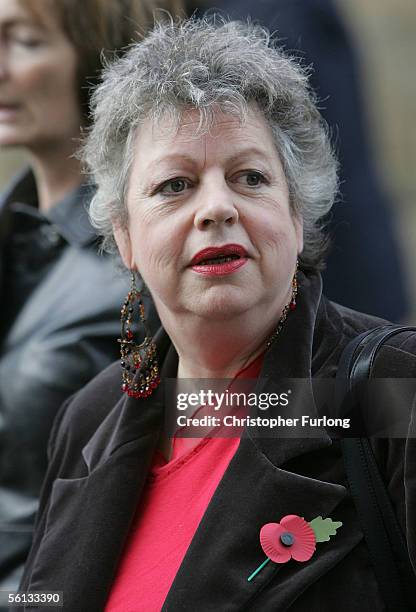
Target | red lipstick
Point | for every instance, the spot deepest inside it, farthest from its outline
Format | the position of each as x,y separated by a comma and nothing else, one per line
219,261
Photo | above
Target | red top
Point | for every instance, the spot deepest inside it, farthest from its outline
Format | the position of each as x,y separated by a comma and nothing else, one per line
173,503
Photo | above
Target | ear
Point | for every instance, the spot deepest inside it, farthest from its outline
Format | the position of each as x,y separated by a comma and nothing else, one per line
122,238
298,224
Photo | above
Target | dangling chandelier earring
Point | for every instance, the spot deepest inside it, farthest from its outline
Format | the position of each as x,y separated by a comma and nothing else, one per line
140,370
292,303
290,306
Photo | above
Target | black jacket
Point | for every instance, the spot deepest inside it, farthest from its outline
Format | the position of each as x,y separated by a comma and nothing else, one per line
101,449
60,304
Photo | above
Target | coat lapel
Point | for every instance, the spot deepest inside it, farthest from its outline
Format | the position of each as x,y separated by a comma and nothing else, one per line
226,548
265,481
88,518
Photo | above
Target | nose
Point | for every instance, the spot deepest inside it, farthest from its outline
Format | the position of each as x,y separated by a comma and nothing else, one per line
216,208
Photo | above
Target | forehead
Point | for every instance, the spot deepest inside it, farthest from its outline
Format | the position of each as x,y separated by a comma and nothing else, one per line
226,132
40,13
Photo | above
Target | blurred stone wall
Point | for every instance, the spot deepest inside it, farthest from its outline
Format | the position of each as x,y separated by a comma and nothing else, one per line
384,32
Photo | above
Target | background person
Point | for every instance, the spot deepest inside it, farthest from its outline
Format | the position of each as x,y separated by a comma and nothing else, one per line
60,301
226,170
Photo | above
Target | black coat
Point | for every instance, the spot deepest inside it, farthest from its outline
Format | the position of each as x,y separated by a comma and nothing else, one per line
101,449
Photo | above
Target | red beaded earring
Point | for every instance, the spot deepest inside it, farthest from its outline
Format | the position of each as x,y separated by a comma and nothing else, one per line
292,303
289,306
140,370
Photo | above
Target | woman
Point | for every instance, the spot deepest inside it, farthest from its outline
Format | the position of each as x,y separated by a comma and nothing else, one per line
60,301
211,181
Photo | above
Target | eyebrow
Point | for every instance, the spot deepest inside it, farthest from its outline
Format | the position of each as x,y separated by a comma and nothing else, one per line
155,163
247,152
21,21
178,158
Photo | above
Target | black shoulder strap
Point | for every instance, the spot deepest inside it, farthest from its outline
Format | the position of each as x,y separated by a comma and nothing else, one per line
381,529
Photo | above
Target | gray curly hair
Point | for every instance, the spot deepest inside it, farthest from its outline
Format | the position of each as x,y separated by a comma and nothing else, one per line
210,64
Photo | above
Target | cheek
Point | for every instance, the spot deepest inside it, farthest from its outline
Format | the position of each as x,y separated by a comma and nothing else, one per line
52,91
273,230
157,246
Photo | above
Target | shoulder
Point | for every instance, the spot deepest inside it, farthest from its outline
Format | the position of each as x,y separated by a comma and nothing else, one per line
350,322
337,325
92,274
93,401
396,357
82,414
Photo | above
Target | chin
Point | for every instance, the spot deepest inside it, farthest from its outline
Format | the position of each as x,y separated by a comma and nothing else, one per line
11,139
220,304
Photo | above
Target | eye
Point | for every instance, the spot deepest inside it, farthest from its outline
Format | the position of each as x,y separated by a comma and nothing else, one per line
25,37
28,43
250,178
174,186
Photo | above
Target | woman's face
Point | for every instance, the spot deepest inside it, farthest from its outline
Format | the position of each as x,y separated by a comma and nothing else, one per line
39,104
224,191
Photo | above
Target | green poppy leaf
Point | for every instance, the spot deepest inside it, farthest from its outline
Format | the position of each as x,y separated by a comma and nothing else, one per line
324,528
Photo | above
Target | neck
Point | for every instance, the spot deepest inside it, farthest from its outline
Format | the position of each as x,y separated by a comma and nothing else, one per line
57,173
220,349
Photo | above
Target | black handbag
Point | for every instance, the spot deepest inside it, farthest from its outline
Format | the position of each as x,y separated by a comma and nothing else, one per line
384,537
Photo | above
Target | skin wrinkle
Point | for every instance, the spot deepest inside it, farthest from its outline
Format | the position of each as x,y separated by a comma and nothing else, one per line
156,165
241,310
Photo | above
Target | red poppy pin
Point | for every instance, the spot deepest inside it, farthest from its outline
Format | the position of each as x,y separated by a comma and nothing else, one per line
294,538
